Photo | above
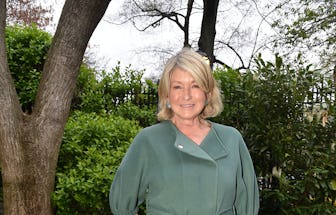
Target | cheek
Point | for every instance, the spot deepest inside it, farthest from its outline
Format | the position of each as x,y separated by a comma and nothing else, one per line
201,95
173,96
173,99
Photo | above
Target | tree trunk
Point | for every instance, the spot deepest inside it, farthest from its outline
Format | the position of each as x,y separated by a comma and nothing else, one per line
206,41
29,144
187,23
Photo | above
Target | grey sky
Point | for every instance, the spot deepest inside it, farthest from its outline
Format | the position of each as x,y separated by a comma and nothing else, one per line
111,43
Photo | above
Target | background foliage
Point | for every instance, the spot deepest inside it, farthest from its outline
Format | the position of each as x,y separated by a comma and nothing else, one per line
27,48
309,29
119,92
281,120
275,105
92,149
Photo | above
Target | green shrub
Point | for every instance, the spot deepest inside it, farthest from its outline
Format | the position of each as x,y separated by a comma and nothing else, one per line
87,97
91,152
118,92
293,152
27,49
103,92
145,115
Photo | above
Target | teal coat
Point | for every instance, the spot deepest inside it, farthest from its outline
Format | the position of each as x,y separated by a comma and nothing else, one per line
177,177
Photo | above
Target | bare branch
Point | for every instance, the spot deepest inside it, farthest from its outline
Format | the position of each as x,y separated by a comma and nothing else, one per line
239,24
264,19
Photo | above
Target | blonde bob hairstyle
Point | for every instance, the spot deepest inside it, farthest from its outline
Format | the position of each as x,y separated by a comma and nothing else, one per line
192,62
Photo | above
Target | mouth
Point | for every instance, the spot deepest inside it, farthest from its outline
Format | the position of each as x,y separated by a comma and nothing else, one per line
187,105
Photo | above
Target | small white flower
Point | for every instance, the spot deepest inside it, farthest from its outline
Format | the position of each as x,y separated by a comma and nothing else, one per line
276,171
310,117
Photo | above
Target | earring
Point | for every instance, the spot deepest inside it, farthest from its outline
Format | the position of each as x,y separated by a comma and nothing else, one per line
206,102
168,105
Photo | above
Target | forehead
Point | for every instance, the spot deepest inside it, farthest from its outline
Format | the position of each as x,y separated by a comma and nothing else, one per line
179,75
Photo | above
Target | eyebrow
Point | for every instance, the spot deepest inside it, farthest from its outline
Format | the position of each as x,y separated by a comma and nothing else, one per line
172,81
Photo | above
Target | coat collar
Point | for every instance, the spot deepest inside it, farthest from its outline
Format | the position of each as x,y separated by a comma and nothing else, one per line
212,148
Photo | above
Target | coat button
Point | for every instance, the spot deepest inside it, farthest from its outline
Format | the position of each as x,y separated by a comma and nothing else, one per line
180,146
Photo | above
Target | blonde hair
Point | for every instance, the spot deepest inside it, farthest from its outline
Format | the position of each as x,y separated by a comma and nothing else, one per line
192,62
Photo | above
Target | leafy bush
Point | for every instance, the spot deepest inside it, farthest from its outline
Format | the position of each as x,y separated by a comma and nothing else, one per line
293,150
144,115
91,152
87,91
27,48
118,93
103,92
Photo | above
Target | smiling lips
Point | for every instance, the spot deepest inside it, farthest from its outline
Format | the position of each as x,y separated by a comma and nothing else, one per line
187,105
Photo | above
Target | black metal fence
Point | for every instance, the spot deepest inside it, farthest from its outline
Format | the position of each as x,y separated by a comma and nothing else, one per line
322,96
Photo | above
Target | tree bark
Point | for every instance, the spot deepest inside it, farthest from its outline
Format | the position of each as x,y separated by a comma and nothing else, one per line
29,144
206,41
187,23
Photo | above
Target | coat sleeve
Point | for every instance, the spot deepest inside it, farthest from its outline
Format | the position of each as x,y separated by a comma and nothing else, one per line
247,198
129,184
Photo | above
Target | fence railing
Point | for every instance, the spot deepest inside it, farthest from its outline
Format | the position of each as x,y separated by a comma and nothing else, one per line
319,96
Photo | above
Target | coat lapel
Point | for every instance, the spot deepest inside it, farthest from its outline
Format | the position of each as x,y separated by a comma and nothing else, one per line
212,147
185,145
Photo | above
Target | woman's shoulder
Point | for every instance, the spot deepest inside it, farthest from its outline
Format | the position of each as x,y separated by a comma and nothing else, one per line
160,129
229,135
159,134
225,129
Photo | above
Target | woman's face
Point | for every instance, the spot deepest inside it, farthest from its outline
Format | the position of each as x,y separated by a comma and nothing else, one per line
186,98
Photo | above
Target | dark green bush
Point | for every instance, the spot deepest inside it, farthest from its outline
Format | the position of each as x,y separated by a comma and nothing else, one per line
27,48
145,115
121,93
87,91
280,118
103,92
91,152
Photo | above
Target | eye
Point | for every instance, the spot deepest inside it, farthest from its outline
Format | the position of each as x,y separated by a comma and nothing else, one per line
195,86
176,87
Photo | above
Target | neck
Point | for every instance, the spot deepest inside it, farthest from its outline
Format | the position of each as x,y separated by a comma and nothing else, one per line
192,123
196,130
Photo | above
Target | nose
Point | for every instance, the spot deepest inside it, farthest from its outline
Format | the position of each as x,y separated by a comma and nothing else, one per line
187,93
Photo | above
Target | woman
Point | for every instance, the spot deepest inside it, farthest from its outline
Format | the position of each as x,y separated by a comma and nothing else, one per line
186,164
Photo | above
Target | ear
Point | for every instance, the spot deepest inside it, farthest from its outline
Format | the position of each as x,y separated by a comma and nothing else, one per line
208,96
